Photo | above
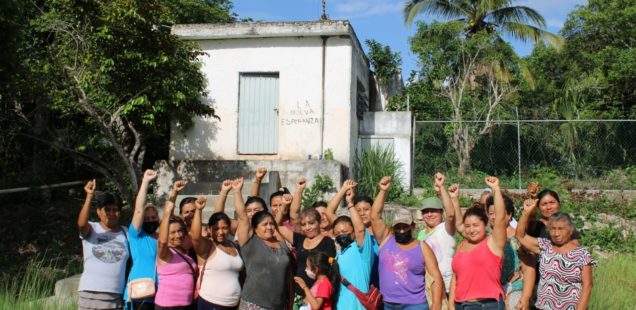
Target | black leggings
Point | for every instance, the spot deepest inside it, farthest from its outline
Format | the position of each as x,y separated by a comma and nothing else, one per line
203,304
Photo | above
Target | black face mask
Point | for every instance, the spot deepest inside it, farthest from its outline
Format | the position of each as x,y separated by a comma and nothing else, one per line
150,227
403,238
344,240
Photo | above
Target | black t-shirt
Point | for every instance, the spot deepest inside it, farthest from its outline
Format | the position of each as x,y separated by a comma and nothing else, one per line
326,245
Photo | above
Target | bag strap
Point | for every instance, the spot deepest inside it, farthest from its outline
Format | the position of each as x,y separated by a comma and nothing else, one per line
350,286
194,275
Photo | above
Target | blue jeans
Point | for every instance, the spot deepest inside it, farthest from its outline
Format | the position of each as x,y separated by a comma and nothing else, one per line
489,305
392,306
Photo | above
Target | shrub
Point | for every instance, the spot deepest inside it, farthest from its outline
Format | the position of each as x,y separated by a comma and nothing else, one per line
322,184
371,164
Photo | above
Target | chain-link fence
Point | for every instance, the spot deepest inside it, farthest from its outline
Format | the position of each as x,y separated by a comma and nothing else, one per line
583,154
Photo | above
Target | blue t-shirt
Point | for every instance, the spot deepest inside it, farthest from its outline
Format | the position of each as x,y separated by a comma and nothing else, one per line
355,265
143,249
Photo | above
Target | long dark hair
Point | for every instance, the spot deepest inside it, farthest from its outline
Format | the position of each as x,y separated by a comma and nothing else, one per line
327,266
259,216
478,212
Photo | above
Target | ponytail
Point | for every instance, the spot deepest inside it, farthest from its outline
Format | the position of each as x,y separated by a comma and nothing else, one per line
327,266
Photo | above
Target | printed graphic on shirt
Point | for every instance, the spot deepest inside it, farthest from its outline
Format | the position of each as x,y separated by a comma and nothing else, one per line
398,265
109,250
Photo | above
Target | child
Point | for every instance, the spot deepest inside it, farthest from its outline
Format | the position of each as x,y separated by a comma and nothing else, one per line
323,294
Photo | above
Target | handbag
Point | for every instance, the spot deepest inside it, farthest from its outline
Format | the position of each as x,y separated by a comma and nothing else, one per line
141,288
371,300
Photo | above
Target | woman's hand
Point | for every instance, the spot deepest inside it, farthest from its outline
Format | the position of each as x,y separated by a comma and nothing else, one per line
300,282
440,181
287,199
178,186
492,182
149,175
385,183
260,173
453,191
200,202
89,188
529,205
237,185
226,186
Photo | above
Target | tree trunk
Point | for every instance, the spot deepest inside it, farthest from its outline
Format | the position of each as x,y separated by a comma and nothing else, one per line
463,145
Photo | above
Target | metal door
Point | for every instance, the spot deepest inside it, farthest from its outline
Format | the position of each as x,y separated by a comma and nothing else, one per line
258,113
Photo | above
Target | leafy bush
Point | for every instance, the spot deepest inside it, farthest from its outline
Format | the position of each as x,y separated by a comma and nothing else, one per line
371,164
322,184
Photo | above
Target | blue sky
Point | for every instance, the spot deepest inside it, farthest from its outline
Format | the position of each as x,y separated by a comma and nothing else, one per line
382,20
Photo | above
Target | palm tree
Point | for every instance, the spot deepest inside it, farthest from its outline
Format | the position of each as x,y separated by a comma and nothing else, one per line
521,22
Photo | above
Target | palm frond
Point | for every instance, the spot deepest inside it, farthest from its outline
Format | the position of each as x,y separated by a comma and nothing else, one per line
525,33
517,14
443,8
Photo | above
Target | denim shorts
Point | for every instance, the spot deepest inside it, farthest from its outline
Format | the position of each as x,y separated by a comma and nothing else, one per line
393,306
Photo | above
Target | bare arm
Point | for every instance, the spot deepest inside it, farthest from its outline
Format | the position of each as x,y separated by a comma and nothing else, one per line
453,192
294,212
282,229
177,187
258,178
163,253
244,230
586,287
451,293
499,237
529,275
358,226
82,218
437,288
440,184
140,201
333,204
201,245
226,186
315,303
380,230
528,242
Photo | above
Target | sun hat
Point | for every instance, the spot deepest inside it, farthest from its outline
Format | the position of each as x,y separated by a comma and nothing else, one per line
402,216
432,203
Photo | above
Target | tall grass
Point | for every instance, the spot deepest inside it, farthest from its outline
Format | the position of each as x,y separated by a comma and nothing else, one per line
371,164
30,288
614,283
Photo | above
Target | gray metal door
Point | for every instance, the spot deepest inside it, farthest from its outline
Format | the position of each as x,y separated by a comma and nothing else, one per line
258,113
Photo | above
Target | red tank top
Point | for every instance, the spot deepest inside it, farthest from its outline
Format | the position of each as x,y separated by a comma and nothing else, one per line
477,273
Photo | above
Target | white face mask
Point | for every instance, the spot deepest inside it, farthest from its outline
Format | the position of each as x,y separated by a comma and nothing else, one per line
310,274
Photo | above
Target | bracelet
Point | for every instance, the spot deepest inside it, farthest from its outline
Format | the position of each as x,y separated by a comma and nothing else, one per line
349,206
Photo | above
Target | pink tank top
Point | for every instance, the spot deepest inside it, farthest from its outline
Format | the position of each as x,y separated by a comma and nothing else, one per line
176,282
477,273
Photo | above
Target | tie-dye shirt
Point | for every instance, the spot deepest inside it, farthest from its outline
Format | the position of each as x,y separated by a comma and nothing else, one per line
561,276
443,245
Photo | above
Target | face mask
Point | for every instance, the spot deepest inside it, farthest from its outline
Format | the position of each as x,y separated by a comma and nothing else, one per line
344,240
403,238
150,227
310,274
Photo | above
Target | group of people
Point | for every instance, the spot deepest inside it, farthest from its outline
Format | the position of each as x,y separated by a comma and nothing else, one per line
330,256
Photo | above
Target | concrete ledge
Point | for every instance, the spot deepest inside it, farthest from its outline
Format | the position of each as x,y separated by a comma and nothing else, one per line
262,30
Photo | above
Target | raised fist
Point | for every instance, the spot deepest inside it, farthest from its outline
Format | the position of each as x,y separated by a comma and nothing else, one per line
89,188
533,189
200,202
237,184
287,199
226,186
301,183
439,179
260,173
349,185
453,191
492,182
350,196
385,183
529,204
179,185
149,175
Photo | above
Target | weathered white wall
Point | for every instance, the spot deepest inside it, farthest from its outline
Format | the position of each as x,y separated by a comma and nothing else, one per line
298,62
391,126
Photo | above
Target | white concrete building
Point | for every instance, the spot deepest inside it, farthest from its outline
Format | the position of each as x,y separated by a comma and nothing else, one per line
284,91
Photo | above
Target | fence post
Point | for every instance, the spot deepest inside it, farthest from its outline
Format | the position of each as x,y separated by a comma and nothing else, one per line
518,146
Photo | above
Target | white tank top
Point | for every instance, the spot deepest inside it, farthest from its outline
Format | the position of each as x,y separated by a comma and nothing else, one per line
220,283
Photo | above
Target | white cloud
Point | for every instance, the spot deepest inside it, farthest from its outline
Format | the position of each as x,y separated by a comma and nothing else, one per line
351,9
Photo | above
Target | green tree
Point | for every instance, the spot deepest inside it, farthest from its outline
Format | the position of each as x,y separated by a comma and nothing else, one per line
97,80
493,16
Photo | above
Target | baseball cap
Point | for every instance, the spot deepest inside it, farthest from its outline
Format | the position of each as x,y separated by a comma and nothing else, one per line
432,203
402,216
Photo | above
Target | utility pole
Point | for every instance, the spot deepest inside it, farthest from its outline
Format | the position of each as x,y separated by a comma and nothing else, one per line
324,10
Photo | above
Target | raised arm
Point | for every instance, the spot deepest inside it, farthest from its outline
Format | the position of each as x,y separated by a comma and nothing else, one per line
333,204
440,186
177,187
244,230
498,239
527,241
297,201
453,192
201,245
437,288
163,253
140,201
82,218
226,186
380,230
358,225
285,232
258,178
